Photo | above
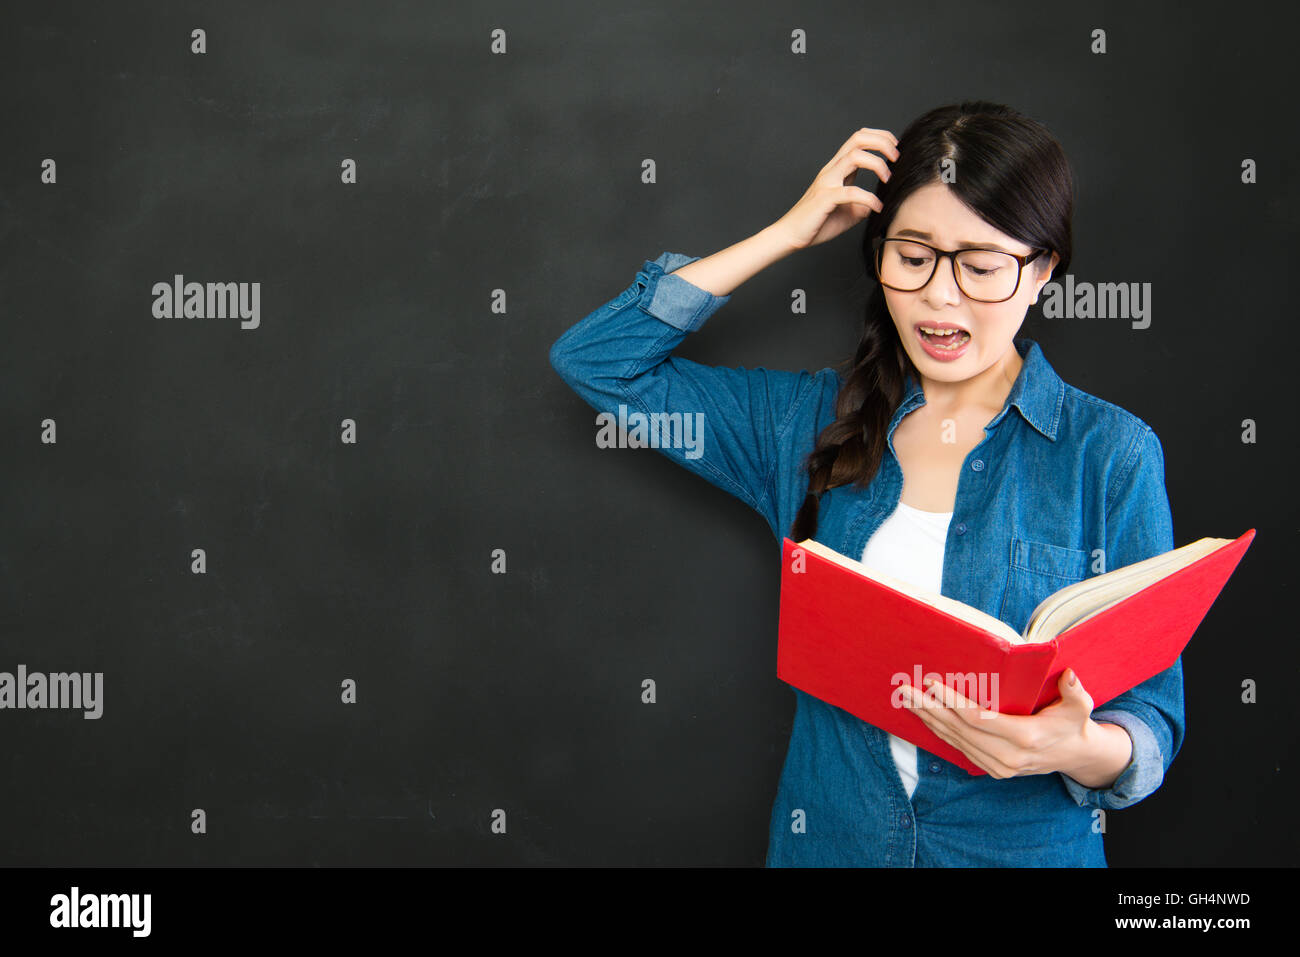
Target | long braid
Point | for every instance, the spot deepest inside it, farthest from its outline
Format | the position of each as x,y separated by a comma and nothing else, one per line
850,448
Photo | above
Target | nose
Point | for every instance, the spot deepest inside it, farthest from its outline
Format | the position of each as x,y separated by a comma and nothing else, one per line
942,289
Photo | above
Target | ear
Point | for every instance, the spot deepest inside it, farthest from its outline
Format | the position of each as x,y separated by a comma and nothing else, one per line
1043,276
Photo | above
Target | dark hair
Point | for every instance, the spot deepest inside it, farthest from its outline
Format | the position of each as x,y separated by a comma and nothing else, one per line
1014,175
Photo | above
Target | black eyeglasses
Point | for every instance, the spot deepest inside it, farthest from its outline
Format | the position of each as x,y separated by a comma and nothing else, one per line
984,275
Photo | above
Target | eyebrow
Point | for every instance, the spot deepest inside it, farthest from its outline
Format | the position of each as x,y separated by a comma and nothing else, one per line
966,245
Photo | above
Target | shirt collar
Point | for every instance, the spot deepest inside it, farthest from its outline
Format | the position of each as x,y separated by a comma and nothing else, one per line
1038,392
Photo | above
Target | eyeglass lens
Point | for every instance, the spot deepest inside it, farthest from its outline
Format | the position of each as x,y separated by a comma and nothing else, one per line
982,274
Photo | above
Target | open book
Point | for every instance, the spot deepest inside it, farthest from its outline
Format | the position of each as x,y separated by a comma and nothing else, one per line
852,636
1058,611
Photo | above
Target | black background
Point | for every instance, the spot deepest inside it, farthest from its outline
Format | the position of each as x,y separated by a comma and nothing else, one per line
372,561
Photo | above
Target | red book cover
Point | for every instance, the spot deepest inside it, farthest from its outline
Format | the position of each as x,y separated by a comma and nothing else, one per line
853,642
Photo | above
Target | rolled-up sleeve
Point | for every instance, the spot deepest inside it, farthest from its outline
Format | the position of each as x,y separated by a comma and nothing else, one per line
620,355
1139,525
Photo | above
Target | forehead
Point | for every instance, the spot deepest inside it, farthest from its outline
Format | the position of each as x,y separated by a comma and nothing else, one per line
950,223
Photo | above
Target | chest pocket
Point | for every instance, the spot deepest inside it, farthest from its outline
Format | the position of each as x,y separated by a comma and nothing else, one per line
1038,569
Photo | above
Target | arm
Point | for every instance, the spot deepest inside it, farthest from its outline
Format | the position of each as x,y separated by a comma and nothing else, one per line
620,355
1138,526
618,358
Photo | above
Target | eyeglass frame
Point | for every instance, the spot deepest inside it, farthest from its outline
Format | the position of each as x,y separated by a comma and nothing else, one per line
878,243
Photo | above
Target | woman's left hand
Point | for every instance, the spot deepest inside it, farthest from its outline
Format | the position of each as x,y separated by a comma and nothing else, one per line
1007,745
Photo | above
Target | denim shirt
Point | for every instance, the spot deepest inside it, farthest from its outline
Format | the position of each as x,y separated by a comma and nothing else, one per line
1059,475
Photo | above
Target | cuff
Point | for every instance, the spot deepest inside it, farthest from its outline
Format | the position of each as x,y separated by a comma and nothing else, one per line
1144,773
672,299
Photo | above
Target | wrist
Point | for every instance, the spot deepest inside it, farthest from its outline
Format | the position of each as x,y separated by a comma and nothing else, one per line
1101,753
776,240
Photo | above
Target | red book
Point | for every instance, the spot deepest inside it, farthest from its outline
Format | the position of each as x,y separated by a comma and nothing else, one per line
852,636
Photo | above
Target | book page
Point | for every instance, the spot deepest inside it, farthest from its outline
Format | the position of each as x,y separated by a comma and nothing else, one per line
1076,603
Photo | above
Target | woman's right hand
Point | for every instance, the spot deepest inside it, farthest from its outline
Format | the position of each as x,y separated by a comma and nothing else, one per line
832,204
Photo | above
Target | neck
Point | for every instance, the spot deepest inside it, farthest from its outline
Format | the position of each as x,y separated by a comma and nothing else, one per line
988,390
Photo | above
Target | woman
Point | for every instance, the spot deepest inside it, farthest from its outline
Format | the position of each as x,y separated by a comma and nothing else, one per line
949,454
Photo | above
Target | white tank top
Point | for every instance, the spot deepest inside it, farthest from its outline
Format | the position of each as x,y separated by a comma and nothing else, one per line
909,545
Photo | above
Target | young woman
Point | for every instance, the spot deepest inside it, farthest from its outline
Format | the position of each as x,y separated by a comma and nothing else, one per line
948,454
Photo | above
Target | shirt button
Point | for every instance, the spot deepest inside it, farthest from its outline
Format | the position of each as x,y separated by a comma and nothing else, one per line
905,821
934,768
960,528
978,465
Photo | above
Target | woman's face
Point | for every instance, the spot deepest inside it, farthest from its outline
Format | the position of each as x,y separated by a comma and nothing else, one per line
934,215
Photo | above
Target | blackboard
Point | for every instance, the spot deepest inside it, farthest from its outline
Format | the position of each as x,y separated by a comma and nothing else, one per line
230,517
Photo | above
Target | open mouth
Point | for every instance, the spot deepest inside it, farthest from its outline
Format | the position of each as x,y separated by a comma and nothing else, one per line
944,338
